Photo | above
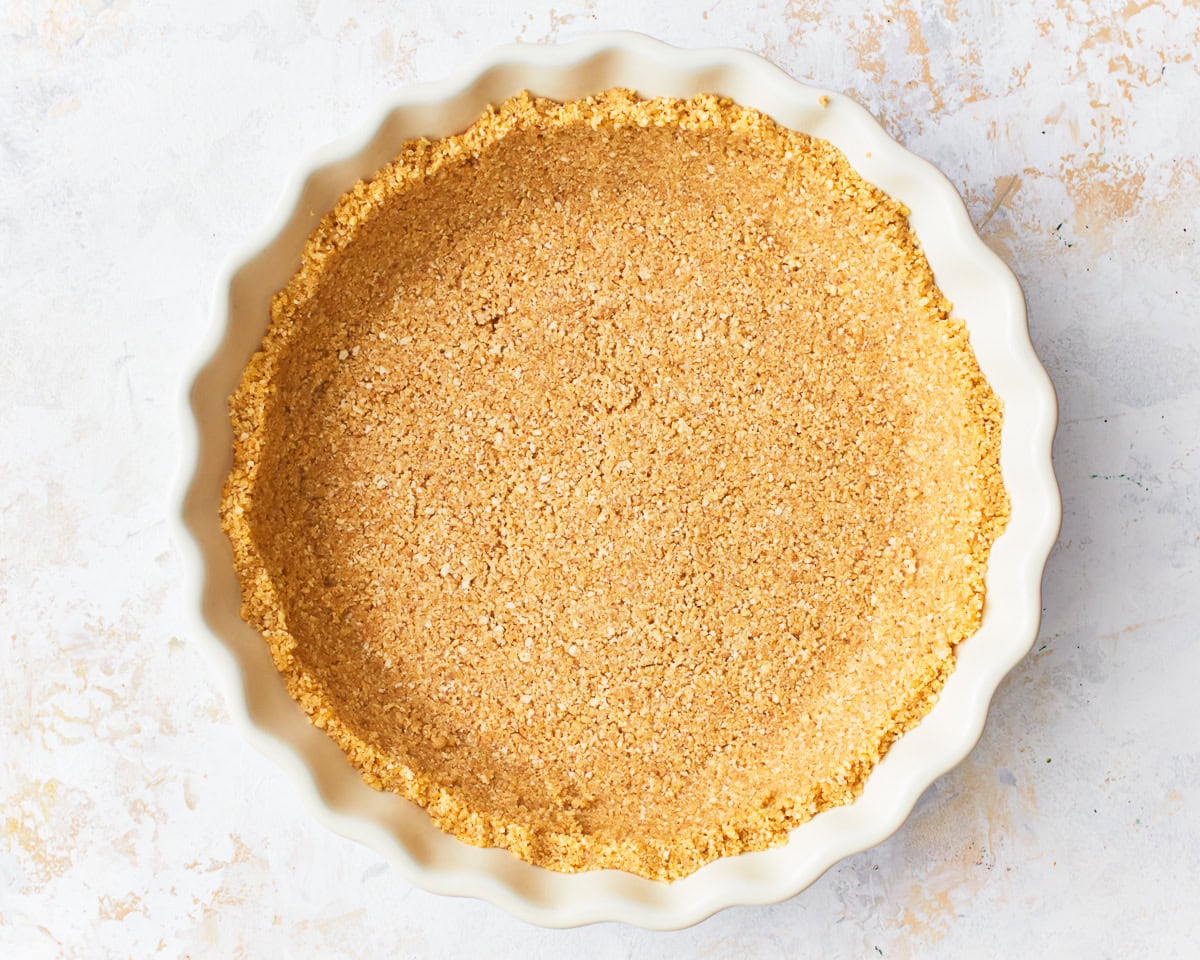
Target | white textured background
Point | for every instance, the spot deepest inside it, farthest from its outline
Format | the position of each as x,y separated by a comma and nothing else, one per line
141,142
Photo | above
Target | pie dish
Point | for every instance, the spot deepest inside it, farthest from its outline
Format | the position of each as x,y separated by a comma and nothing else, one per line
592,820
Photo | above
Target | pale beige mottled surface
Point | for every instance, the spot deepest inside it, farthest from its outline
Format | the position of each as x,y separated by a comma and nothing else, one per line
139,144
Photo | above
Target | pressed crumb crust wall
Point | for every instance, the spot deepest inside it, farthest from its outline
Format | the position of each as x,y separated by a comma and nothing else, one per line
614,481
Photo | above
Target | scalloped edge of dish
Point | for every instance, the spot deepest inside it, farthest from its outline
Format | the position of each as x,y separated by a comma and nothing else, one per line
985,294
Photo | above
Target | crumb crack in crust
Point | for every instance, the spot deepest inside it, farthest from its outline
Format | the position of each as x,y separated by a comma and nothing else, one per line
614,482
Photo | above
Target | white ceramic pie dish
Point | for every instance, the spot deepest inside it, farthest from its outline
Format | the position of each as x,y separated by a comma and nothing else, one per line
985,295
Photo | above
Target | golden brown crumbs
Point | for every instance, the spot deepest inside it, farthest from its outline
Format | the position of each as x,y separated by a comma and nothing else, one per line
614,482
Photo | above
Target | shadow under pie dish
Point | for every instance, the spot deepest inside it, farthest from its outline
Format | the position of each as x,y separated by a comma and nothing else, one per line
985,297
614,482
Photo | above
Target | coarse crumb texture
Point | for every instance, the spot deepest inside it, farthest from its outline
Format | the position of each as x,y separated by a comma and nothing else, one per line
614,482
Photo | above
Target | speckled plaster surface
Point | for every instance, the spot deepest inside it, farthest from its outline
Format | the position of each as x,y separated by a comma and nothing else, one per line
140,143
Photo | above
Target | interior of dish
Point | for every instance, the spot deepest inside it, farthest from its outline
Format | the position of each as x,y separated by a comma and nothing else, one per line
614,480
